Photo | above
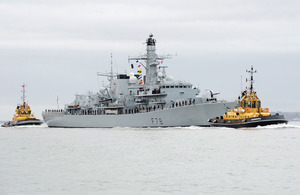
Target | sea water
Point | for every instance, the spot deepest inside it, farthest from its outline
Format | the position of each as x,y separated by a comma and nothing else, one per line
190,160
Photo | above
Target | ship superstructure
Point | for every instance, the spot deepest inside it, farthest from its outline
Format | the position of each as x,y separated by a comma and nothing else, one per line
135,100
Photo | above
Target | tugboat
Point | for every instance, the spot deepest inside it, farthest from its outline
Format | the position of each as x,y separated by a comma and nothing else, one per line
23,114
248,112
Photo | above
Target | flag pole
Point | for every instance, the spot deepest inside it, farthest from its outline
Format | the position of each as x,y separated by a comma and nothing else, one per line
57,103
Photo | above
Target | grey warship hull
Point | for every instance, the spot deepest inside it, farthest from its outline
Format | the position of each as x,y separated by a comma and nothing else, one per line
153,99
191,115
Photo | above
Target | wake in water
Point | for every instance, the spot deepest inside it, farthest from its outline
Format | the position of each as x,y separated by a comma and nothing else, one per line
279,126
27,126
295,125
191,128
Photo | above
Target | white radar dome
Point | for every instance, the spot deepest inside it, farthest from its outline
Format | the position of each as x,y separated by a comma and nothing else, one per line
160,74
169,78
102,89
132,78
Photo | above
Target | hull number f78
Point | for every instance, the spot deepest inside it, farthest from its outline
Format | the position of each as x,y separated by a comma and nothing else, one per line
157,121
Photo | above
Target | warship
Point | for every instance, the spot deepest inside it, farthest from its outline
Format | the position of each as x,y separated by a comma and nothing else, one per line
23,115
153,99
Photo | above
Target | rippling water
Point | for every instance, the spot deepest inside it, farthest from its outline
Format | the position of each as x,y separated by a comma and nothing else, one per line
192,160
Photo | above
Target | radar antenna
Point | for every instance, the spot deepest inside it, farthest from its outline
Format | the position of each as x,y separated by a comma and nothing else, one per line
251,77
151,59
23,91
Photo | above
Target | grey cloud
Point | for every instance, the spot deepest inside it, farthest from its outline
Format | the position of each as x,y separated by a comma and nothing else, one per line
57,47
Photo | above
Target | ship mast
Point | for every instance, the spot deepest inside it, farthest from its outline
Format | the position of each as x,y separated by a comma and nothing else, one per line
110,76
23,91
151,59
111,71
251,78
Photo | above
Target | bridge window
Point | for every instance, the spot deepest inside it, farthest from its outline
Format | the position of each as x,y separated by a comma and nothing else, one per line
254,104
249,104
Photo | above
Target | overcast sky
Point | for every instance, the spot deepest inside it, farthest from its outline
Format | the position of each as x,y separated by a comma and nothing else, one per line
57,47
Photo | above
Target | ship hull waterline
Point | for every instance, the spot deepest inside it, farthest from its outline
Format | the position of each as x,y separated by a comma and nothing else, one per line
192,115
253,122
22,123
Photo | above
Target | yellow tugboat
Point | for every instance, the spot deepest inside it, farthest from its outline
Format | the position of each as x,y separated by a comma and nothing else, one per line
23,115
248,112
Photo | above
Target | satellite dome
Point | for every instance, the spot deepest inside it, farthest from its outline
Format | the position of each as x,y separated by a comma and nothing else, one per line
160,74
132,78
169,78
102,89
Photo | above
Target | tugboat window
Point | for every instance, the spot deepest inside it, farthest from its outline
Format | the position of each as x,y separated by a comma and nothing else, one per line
249,104
258,104
254,104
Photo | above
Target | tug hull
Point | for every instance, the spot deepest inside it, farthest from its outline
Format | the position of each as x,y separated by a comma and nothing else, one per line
249,122
22,123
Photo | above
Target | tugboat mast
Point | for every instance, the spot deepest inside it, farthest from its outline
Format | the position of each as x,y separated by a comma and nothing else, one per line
23,91
251,78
